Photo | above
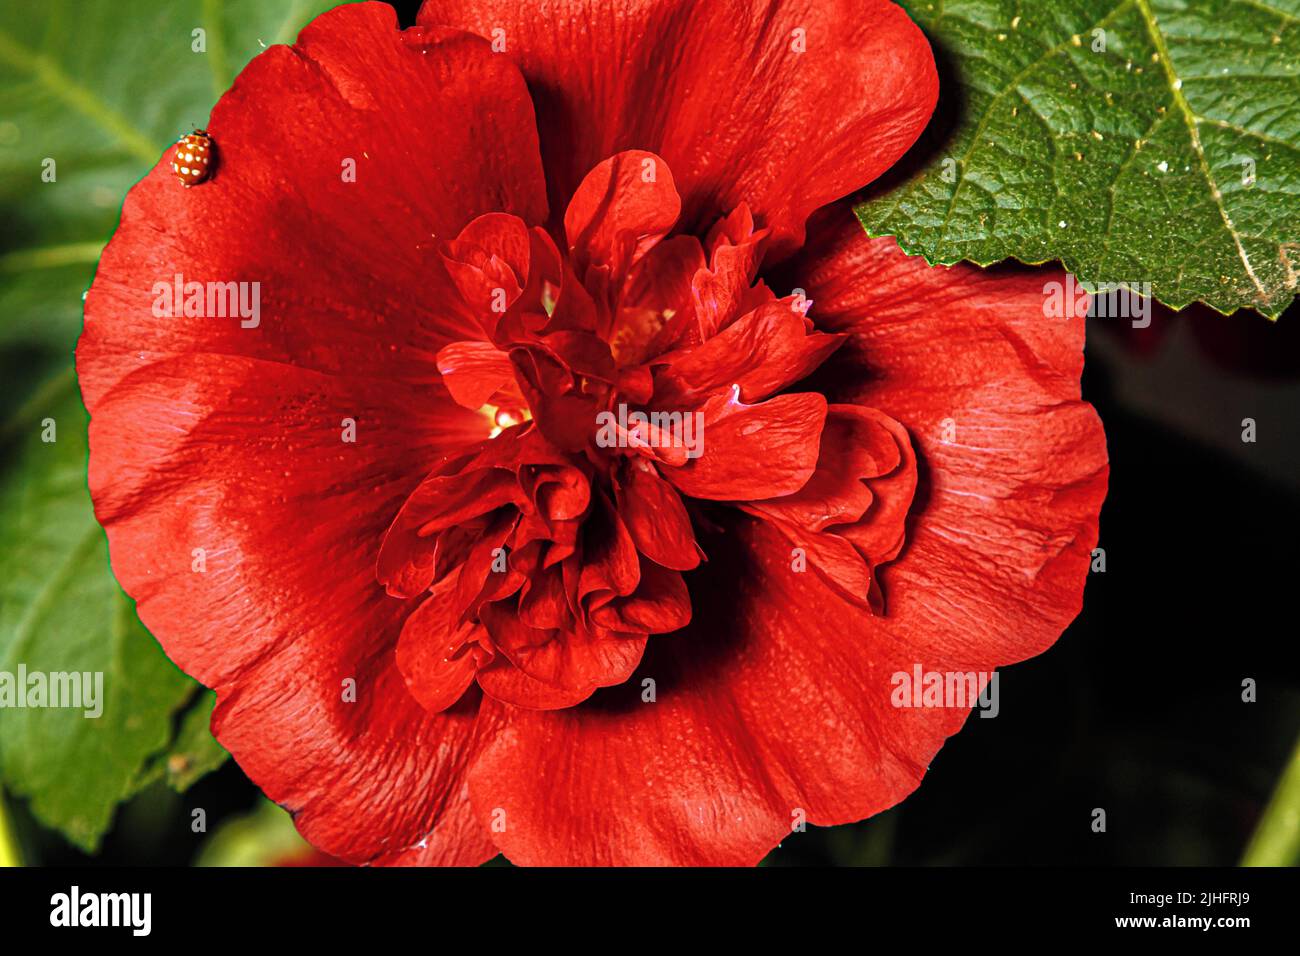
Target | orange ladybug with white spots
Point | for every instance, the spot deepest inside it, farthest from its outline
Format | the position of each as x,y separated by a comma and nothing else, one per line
192,161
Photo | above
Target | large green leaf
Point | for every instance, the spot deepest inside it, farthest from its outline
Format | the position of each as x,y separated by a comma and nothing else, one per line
61,611
193,752
101,88
1171,156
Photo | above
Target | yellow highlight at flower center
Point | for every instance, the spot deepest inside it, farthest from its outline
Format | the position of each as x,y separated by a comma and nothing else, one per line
503,418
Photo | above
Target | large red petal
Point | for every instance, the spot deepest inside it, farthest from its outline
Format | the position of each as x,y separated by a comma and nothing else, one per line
721,92
988,389
438,129
221,482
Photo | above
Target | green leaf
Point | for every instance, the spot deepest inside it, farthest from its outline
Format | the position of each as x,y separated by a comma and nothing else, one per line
264,837
102,88
1171,156
1276,841
193,752
62,612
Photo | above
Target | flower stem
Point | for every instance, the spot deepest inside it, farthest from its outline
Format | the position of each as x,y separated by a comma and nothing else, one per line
1277,836
9,855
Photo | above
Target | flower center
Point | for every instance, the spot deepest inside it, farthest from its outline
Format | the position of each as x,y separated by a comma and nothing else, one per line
503,418
629,385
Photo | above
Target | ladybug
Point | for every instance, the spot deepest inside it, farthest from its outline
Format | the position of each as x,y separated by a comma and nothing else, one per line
192,161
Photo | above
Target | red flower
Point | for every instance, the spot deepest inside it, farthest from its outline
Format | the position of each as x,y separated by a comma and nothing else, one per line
509,614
